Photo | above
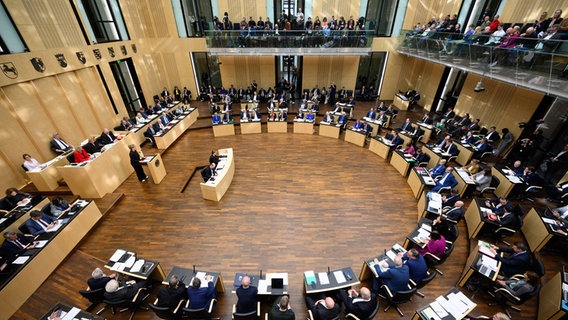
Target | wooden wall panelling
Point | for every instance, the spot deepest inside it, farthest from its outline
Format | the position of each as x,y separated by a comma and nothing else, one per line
99,102
502,104
237,9
428,83
133,19
148,75
528,11
185,71
45,24
240,71
337,8
422,11
115,93
323,70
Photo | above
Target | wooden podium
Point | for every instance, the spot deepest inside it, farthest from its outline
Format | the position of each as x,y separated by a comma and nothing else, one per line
156,167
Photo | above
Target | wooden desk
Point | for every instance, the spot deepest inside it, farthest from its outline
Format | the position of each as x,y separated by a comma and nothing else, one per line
303,127
329,130
550,300
376,124
466,185
465,155
19,215
221,130
400,103
355,137
46,179
474,218
100,176
434,157
251,127
368,269
215,190
417,236
186,275
156,167
536,231
79,314
379,147
427,131
505,184
149,270
400,162
277,126
337,279
473,265
179,125
451,298
417,179
30,276
262,281
405,137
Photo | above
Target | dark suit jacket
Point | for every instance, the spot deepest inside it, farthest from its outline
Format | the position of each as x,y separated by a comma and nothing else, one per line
9,248
200,298
99,283
514,264
453,150
394,278
361,309
455,214
449,182
170,297
124,293
206,173
322,313
35,227
104,139
54,146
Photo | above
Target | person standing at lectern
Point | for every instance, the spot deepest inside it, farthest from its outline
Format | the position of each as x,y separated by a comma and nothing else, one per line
136,163
214,158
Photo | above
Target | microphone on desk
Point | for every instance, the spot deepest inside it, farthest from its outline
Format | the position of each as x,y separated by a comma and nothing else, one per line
385,253
193,269
260,274
328,271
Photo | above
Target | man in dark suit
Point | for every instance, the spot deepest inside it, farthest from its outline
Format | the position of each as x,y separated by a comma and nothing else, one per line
481,147
324,308
165,118
247,296
517,262
360,304
39,222
451,149
395,277
115,293
395,140
98,279
201,297
492,135
171,295
15,243
150,132
557,163
447,180
416,132
107,137
281,309
59,145
450,114
371,114
498,205
208,171
406,126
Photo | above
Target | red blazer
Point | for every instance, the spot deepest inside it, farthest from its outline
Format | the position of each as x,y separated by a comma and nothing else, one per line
81,156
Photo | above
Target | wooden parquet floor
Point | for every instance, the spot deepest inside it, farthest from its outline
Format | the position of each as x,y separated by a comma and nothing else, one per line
296,203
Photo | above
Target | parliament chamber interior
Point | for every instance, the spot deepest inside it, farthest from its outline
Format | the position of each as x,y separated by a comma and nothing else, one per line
351,144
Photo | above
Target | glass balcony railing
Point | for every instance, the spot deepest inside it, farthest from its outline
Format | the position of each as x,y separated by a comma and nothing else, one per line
538,65
289,39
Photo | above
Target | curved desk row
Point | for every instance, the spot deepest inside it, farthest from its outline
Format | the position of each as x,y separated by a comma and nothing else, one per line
214,190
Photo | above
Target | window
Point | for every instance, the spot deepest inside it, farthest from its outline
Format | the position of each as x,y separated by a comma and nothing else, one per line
190,16
381,16
103,20
10,39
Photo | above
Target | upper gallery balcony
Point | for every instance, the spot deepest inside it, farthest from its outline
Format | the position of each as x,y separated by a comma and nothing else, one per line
538,64
289,42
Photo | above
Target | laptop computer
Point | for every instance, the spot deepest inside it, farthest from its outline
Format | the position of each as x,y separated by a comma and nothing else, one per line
277,286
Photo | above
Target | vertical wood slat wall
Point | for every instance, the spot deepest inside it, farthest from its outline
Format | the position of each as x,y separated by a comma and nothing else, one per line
422,11
528,11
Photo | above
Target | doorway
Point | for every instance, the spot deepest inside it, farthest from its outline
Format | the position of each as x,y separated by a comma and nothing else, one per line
127,81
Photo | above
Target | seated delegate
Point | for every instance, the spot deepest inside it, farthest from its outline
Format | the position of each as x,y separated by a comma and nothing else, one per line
281,309
201,297
361,304
39,222
115,293
58,206
29,162
247,296
107,137
170,296
517,261
395,277
59,145
98,279
15,243
417,267
80,155
446,180
324,308
208,171
15,198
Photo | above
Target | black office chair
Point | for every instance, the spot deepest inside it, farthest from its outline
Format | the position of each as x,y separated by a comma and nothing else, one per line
96,297
71,157
432,261
420,284
24,229
129,304
46,209
397,298
311,316
351,316
166,312
200,314
253,315
504,296
24,167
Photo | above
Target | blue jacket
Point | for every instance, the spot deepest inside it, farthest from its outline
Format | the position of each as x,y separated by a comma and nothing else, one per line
517,263
201,297
449,182
35,227
394,278
417,267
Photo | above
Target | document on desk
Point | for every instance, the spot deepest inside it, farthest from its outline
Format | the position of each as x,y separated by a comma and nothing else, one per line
449,307
41,244
438,309
489,262
21,260
56,227
263,286
3,219
391,254
118,266
484,248
430,314
372,267
310,277
117,255
71,314
134,266
323,278
339,276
